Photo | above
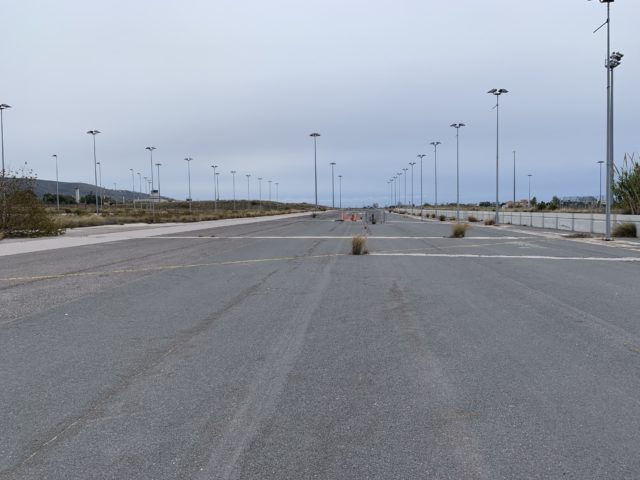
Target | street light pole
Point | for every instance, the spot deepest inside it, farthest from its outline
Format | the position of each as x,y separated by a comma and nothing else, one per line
57,190
333,191
421,156
260,193
276,184
405,169
435,172
233,174
248,175
399,189
215,188
413,204
3,107
514,179
100,185
457,126
133,187
600,184
269,181
315,163
95,168
140,183
340,191
497,92
158,165
529,175
218,186
188,160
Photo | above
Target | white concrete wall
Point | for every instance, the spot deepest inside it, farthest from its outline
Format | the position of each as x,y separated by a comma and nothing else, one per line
573,222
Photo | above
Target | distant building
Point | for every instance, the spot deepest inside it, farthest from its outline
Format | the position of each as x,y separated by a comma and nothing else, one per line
579,202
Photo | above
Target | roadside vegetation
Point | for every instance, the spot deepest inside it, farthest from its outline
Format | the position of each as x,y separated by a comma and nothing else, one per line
22,214
459,230
625,230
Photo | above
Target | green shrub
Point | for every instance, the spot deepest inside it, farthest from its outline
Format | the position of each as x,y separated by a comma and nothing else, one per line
442,218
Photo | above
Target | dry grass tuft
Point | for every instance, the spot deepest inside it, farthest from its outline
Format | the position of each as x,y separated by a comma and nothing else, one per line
625,230
459,230
489,221
472,218
359,245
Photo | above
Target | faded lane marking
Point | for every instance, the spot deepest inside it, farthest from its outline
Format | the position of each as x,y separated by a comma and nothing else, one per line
506,257
329,237
162,268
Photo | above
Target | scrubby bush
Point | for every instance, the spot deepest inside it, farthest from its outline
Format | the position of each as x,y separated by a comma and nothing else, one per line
459,230
489,221
359,245
22,214
472,218
442,218
625,230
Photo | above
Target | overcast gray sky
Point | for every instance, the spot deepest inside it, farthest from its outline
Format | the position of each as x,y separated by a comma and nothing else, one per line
242,83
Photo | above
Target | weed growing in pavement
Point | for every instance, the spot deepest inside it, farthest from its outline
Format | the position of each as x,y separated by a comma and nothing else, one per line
459,230
359,245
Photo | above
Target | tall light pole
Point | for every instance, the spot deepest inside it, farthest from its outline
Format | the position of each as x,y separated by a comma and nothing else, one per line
233,174
399,189
215,188
260,193
497,92
140,182
133,187
146,185
421,156
315,163
248,175
57,190
3,107
333,191
188,160
269,181
151,149
100,184
95,168
435,172
340,191
413,204
405,169
276,184
158,165
529,175
514,179
457,126
600,184
609,65
218,184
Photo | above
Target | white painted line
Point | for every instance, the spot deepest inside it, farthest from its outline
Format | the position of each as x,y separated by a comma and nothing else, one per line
328,237
506,257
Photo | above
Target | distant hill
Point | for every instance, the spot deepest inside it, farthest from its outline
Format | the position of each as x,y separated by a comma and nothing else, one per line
68,188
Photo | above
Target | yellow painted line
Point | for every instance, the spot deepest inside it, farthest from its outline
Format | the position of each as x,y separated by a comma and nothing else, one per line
161,268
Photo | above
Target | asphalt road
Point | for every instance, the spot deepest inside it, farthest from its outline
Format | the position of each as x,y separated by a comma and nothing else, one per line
266,351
